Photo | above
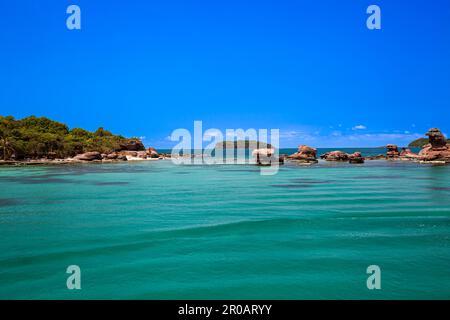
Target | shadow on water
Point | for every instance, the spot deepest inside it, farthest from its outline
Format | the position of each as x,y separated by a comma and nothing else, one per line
111,183
62,174
300,183
9,202
311,181
378,177
439,188
51,179
290,186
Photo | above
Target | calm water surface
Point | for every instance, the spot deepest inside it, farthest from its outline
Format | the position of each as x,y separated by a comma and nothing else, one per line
154,230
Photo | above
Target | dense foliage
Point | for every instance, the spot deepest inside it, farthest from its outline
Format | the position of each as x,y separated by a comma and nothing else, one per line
419,143
37,137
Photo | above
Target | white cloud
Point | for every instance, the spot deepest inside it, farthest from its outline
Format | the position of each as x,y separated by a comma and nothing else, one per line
336,133
359,127
341,139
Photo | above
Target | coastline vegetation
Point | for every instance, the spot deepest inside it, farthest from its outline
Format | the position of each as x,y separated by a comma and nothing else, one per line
36,137
421,142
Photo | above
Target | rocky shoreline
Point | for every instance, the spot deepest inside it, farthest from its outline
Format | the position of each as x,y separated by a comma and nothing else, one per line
437,151
133,150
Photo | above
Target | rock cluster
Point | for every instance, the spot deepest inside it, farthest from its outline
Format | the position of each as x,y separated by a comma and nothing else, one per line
335,156
437,149
342,156
122,155
304,154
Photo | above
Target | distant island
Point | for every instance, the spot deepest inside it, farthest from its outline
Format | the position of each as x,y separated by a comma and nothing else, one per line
39,137
421,142
242,144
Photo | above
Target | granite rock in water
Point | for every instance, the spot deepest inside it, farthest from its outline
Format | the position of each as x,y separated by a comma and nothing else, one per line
437,149
436,139
305,154
89,156
152,153
392,151
355,157
335,156
408,154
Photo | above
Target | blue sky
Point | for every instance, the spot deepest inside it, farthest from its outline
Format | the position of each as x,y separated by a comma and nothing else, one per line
310,68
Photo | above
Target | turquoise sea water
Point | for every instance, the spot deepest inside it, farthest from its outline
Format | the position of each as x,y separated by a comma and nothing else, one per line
154,230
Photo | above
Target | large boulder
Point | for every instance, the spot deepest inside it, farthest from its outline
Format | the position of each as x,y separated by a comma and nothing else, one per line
142,154
355,158
437,149
152,153
392,151
437,139
89,156
132,145
335,156
304,154
111,156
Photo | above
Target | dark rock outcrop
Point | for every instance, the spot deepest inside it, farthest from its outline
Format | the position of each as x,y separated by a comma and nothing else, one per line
305,154
132,145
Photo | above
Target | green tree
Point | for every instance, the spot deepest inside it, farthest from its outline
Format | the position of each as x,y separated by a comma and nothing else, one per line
34,137
6,136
